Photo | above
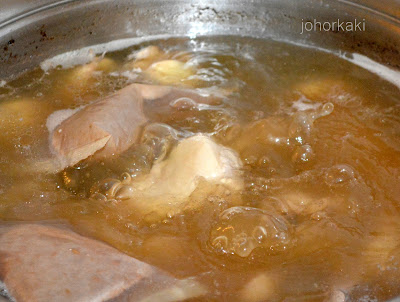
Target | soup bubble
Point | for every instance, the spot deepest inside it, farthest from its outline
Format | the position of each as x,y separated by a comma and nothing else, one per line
326,109
339,174
106,187
125,192
303,154
159,138
300,128
184,103
99,197
240,230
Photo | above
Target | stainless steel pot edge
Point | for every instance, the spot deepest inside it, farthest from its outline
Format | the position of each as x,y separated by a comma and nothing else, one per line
54,27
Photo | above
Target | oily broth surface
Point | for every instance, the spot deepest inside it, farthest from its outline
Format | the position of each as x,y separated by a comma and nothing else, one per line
347,240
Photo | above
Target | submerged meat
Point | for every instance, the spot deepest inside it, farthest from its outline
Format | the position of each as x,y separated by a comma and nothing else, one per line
261,288
108,126
166,68
145,57
43,262
82,75
194,160
326,89
170,72
20,121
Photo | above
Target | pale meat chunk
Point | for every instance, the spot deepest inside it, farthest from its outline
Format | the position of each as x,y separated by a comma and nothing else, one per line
195,158
194,161
45,262
108,126
111,125
163,67
261,288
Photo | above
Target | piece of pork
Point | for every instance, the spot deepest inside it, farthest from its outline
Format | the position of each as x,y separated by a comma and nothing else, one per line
108,126
261,288
196,165
50,262
195,158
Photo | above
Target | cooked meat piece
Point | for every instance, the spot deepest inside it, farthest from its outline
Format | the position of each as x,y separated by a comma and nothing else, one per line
49,262
261,288
170,72
195,164
108,126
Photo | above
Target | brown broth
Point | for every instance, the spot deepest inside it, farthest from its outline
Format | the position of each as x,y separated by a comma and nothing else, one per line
335,179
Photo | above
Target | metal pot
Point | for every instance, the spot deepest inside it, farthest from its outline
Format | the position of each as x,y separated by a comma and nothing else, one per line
33,31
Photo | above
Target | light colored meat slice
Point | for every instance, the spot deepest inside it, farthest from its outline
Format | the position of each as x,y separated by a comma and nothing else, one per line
261,288
195,160
43,262
108,126
111,125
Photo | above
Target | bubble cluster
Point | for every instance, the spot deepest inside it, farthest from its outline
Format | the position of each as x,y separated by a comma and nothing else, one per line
111,188
159,138
301,126
156,140
241,229
300,131
183,103
303,154
210,69
339,174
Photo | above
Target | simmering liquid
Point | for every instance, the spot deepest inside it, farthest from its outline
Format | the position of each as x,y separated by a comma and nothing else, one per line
319,140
